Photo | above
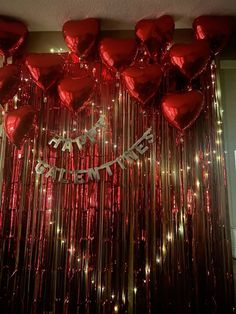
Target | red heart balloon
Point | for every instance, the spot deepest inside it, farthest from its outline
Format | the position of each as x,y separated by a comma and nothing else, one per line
13,34
18,124
142,83
182,109
216,29
76,92
153,33
45,68
9,82
191,59
81,35
117,53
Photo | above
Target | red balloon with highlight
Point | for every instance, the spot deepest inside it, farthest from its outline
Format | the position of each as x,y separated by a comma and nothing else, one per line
13,34
154,33
182,109
45,68
76,92
81,35
191,59
216,29
19,123
142,83
117,53
9,82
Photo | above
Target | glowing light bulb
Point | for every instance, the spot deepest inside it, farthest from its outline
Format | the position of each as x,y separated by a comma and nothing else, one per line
181,229
147,269
116,308
135,290
169,236
163,249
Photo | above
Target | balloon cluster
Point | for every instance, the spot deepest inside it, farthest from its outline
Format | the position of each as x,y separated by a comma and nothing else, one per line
140,63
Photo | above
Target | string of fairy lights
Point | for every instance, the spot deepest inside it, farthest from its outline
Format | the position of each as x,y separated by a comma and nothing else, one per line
207,160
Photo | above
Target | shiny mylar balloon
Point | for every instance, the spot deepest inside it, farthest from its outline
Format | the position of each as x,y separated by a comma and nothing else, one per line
12,35
143,83
182,109
9,82
75,92
18,124
191,59
45,68
81,35
154,33
216,29
117,53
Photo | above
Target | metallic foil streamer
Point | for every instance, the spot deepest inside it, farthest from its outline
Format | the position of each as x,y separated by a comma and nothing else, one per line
151,238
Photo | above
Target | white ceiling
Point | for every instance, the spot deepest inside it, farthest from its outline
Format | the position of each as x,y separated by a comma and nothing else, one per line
49,15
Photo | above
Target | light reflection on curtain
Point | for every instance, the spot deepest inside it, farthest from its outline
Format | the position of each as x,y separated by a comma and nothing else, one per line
151,238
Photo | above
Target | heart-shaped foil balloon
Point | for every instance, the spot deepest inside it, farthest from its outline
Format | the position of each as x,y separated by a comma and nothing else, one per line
216,29
76,92
9,82
13,34
182,109
18,124
117,53
81,35
192,58
143,83
45,68
153,33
